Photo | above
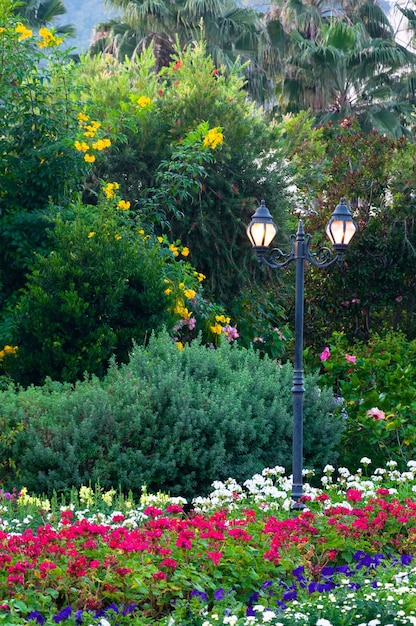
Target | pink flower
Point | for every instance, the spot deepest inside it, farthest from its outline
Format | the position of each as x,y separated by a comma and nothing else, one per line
230,332
376,414
325,354
351,359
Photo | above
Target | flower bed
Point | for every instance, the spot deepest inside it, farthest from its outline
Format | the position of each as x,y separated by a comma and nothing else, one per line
240,556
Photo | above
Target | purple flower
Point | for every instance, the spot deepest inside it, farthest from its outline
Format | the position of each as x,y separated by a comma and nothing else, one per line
267,583
128,609
290,595
406,559
253,598
199,594
38,617
219,594
64,614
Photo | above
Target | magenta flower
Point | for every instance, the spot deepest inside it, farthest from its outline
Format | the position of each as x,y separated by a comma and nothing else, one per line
350,358
325,354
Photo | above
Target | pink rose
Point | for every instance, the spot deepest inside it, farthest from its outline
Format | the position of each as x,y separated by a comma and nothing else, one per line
350,358
325,354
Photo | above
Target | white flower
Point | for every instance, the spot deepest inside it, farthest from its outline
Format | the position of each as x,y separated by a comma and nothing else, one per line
230,619
323,622
365,460
374,622
328,469
268,615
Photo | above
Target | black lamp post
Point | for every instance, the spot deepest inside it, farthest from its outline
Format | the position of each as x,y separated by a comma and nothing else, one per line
261,231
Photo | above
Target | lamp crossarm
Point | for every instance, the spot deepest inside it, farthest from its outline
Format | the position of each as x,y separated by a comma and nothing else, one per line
323,257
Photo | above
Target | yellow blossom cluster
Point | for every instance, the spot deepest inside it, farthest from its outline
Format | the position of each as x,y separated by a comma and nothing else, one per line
217,327
124,205
86,495
213,138
7,350
110,190
23,31
48,39
143,102
25,499
181,310
89,130
200,277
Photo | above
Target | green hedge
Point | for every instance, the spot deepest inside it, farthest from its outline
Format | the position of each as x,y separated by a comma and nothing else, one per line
173,420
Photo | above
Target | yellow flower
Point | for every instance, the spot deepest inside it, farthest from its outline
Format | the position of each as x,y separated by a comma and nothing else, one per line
189,293
81,146
160,239
185,251
117,237
143,102
48,39
222,319
107,497
10,349
199,276
91,234
180,345
89,158
101,144
2,354
23,32
124,205
168,291
216,329
141,231
174,249
109,190
213,138
86,495
82,117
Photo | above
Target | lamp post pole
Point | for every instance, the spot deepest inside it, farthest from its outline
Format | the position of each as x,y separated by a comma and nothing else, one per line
261,231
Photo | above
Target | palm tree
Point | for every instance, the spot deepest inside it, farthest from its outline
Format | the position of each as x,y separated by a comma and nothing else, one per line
231,30
344,72
39,13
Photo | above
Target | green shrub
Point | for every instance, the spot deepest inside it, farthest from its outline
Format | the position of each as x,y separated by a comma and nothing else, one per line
100,287
173,420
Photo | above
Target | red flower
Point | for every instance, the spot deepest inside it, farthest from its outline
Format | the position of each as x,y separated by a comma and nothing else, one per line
159,576
178,66
169,563
354,495
214,556
123,571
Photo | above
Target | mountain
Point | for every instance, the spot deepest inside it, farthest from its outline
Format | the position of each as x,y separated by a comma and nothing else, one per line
84,15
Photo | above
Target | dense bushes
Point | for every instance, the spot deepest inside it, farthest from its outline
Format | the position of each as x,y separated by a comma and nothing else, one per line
375,381
170,419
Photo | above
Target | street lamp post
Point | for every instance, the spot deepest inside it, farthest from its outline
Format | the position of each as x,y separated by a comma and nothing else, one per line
261,231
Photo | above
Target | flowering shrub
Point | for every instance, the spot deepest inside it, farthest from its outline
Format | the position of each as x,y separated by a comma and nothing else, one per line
238,557
38,117
376,395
